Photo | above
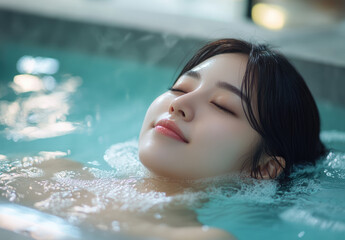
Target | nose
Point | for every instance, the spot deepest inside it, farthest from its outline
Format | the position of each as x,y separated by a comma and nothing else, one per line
181,109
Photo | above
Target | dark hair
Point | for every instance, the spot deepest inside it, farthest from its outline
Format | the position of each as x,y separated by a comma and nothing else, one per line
288,118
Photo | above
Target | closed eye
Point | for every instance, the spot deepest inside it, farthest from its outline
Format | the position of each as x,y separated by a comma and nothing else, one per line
217,105
176,90
224,109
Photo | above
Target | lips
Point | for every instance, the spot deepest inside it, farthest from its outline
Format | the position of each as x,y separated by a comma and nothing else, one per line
169,128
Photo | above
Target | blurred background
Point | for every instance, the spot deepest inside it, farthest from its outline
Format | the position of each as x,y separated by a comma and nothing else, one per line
69,66
270,14
77,76
93,59
312,29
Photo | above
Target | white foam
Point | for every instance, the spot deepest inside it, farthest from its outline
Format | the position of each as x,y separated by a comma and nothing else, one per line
123,157
335,160
230,195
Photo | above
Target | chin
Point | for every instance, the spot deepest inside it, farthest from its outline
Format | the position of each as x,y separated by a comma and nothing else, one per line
155,166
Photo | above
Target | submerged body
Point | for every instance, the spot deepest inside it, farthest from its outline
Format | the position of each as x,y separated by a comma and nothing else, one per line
66,189
117,203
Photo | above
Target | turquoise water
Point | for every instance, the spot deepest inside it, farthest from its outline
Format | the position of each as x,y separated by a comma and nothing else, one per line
91,111
107,106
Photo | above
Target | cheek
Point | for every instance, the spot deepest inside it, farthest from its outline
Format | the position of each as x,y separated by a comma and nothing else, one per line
157,107
223,144
156,153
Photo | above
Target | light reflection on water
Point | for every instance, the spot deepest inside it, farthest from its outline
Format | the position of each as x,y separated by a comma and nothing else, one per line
35,224
27,83
37,65
40,113
312,202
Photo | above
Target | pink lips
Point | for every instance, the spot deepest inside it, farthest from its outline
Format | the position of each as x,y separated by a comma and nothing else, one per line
170,129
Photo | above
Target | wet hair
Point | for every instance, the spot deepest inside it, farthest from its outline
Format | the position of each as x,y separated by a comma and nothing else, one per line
287,116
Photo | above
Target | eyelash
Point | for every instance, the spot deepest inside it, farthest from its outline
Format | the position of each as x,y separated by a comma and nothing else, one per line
175,90
220,107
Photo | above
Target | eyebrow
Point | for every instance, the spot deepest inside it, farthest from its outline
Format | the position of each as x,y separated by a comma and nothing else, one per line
193,74
220,84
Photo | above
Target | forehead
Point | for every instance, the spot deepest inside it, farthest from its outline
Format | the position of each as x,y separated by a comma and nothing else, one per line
229,67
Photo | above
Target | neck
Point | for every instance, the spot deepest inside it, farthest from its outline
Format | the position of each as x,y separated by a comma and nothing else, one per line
173,186
169,186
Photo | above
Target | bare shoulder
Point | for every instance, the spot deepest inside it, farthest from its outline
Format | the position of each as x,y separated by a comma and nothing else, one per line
52,166
202,233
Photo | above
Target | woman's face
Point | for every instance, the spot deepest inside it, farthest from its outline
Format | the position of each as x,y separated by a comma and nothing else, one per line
207,109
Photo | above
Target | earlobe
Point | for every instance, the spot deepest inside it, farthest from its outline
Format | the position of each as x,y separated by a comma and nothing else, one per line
271,168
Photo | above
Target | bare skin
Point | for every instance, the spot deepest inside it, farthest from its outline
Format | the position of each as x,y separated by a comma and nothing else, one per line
175,222
205,104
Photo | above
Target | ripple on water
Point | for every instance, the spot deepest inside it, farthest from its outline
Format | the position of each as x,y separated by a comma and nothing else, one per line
312,201
123,157
305,201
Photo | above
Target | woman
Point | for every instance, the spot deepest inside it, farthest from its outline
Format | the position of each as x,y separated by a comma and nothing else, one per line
242,105
235,108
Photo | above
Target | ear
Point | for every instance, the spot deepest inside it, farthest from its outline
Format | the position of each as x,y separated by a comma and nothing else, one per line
270,168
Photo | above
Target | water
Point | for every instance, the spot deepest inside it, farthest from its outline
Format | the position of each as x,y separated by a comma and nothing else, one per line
89,108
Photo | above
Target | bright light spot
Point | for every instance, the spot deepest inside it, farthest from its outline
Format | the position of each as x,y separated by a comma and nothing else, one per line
27,83
37,65
301,234
38,114
54,129
269,16
52,155
2,157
